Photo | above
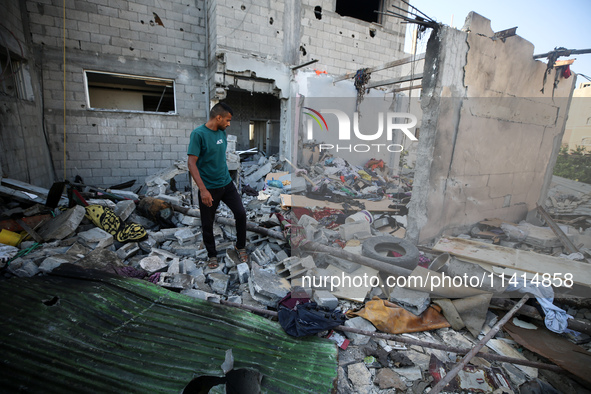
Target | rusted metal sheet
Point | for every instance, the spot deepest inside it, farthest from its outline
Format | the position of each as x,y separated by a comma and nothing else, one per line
108,334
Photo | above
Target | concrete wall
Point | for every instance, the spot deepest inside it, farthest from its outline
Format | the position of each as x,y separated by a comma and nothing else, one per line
108,147
578,125
25,152
489,136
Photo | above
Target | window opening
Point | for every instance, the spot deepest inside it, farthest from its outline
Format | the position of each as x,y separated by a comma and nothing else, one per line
360,10
15,79
124,92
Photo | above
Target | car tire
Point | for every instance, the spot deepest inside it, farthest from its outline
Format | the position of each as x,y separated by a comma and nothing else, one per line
376,248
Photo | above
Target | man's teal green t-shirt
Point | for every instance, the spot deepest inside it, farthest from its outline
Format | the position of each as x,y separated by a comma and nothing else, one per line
210,148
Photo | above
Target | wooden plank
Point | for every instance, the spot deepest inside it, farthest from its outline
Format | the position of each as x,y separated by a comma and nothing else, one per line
407,78
385,66
289,200
517,259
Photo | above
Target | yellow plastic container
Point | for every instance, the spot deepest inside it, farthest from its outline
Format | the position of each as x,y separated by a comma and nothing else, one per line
10,238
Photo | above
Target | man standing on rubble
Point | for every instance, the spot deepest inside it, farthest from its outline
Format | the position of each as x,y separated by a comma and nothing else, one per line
207,166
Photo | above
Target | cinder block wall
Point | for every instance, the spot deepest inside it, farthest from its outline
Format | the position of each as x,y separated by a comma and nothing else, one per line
489,137
344,44
25,152
109,147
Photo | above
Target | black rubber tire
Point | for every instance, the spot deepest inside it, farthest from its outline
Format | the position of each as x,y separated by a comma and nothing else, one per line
376,246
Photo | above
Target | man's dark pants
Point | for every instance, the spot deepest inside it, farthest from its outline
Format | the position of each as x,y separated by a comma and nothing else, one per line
229,195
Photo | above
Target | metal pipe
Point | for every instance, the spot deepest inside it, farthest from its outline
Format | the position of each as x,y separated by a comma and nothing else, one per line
459,366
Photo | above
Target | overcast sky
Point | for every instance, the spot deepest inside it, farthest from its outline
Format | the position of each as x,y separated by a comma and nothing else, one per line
546,24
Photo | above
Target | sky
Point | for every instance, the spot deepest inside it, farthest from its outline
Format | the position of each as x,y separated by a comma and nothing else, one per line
546,24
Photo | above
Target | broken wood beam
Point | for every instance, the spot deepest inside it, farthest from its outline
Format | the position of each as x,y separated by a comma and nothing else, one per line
493,331
385,66
414,342
30,231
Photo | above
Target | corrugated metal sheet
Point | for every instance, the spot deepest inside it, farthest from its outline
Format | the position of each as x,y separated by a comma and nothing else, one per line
103,334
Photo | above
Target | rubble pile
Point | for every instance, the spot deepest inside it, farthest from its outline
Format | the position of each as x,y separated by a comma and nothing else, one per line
358,241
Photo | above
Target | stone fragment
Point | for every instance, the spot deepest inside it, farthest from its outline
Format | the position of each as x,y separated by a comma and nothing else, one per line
128,250
176,281
219,282
185,236
202,295
52,262
243,272
355,230
414,301
361,324
124,209
266,287
23,268
63,225
325,299
153,264
360,377
387,379
96,238
101,259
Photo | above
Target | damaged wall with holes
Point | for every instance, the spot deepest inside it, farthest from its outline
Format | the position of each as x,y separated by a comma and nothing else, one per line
254,45
489,136
135,84
25,153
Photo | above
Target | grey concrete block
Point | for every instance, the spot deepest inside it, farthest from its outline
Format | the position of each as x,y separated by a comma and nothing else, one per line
185,236
96,238
153,264
266,287
176,281
128,250
361,324
412,300
326,299
345,265
243,272
219,282
202,295
124,209
63,225
52,262
24,270
359,230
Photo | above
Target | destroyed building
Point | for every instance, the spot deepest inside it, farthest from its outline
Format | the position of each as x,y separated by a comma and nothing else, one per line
104,95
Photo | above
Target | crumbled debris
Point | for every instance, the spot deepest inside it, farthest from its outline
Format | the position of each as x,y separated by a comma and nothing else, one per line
172,254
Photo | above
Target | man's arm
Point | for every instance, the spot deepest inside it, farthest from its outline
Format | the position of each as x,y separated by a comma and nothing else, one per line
205,194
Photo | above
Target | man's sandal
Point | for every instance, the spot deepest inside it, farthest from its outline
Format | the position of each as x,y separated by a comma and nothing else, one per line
212,263
242,255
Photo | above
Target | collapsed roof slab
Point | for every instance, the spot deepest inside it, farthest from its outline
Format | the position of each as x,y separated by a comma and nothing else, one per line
489,135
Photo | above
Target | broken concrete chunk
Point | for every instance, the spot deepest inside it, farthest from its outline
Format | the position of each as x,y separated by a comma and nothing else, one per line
326,299
219,282
387,379
414,301
306,220
96,238
185,236
361,324
176,281
63,225
356,230
128,250
153,264
243,272
360,377
345,265
190,221
202,295
52,262
101,259
266,287
23,268
124,209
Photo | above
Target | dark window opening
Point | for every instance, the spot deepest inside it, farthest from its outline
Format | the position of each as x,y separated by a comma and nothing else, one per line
15,79
360,10
122,92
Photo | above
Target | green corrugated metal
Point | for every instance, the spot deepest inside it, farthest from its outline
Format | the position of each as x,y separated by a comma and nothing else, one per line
110,334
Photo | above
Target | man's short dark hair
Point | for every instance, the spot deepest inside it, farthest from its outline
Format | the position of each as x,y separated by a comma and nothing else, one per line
220,109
